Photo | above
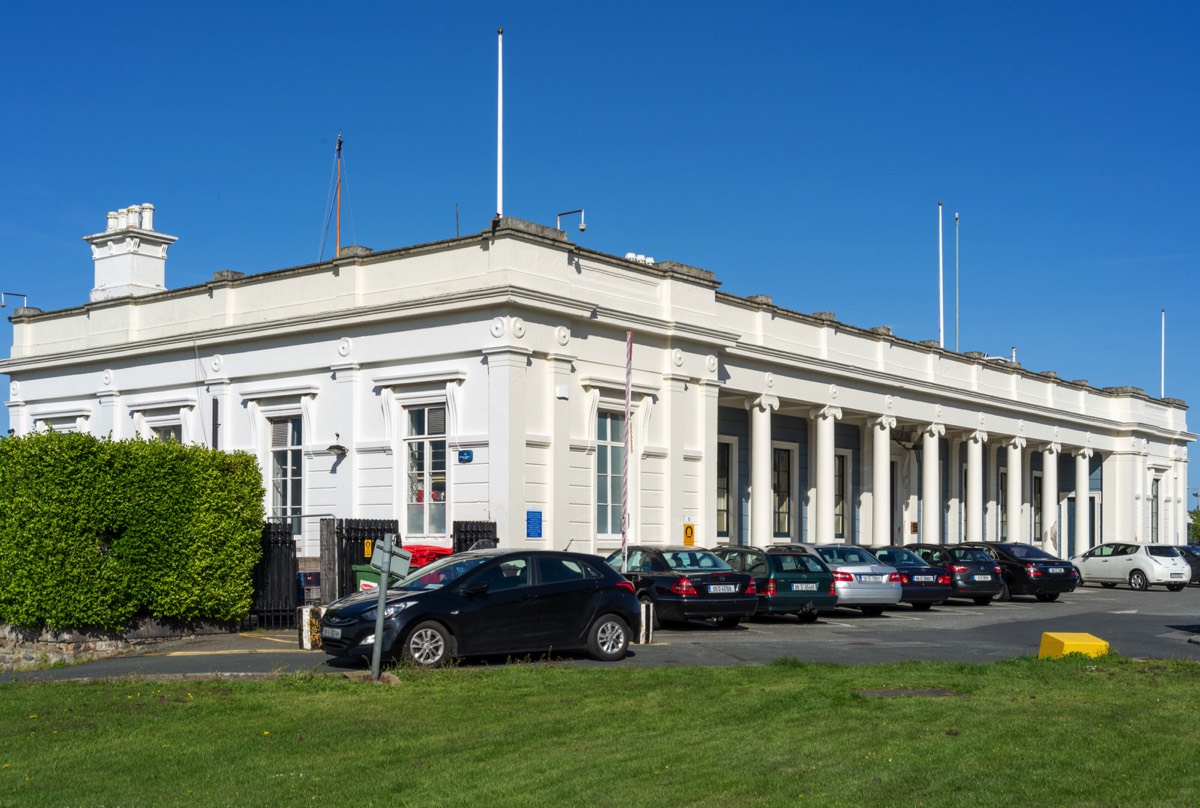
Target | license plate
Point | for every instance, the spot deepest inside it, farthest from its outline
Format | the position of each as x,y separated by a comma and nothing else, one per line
331,633
718,589
871,579
1176,574
922,578
804,587
1057,570
981,577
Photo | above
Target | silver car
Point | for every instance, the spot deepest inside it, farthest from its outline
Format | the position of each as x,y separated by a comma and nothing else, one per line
1139,565
860,579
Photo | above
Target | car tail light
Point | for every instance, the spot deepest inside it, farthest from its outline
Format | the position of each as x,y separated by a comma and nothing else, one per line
771,588
843,576
1033,571
627,585
943,579
996,569
903,578
683,587
752,589
832,588
894,578
958,569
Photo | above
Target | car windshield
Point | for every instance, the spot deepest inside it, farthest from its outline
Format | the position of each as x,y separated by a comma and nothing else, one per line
798,562
1027,552
1163,552
694,561
846,555
440,573
897,555
969,554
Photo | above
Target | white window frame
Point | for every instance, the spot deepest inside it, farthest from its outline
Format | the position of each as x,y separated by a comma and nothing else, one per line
407,405
735,532
793,494
847,494
607,446
292,509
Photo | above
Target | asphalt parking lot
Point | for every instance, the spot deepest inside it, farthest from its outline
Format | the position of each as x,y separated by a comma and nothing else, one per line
1155,623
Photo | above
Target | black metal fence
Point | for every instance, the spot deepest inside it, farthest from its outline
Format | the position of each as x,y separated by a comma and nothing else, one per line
467,534
275,593
355,539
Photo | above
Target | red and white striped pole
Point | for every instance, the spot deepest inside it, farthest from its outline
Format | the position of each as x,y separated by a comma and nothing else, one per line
628,450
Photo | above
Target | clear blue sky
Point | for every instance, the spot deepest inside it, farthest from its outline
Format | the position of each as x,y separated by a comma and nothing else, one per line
794,149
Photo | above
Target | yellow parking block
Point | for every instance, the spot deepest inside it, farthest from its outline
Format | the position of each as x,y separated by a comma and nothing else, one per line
1057,643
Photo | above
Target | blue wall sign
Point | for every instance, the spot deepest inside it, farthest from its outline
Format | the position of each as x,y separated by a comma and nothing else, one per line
533,524
466,455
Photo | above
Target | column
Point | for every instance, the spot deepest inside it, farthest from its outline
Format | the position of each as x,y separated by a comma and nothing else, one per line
931,485
1050,498
974,494
881,479
707,532
955,514
991,526
558,525
825,419
507,370
1013,495
1082,498
760,469
680,422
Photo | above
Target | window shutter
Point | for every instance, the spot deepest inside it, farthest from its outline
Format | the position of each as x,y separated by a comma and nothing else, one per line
437,421
279,433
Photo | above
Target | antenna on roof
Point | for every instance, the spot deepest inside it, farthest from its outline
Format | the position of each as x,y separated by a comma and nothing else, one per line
499,122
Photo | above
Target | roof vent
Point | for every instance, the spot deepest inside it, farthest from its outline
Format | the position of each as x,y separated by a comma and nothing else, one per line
825,315
882,330
762,300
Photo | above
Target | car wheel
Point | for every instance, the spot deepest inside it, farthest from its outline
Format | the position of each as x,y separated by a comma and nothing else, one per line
728,622
922,607
428,646
608,639
1175,587
983,601
655,622
871,611
808,614
1004,596
1048,597
1139,581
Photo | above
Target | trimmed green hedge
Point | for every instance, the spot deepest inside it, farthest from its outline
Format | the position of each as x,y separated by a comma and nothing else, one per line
95,532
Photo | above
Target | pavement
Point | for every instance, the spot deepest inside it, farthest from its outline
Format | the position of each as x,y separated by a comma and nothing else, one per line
1155,623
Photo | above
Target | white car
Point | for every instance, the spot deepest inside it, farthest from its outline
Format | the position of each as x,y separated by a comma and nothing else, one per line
1139,565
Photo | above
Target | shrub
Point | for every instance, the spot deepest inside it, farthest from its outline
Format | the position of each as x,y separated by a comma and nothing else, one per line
95,532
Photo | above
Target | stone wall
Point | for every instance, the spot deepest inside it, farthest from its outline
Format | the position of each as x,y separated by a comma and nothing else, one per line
23,648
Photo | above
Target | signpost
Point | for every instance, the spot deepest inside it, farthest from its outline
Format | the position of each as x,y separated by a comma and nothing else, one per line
382,557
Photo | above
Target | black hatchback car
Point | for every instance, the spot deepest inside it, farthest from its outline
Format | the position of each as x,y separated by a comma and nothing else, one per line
688,583
921,584
1029,570
491,602
973,573
790,578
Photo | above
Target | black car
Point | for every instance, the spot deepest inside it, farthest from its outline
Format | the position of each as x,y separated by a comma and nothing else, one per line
790,578
921,584
973,573
1029,570
491,602
688,583
1191,554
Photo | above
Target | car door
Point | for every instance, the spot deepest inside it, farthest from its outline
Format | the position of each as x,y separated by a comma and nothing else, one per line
495,613
562,600
1094,564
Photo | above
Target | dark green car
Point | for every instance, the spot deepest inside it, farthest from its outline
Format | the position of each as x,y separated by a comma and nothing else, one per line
791,579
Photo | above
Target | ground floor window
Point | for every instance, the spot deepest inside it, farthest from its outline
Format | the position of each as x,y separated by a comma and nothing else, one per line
1154,510
610,461
1036,499
425,452
841,494
168,432
781,491
287,469
724,492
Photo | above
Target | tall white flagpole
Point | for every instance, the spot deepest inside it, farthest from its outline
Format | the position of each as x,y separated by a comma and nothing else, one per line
625,526
1162,375
956,281
499,122
941,293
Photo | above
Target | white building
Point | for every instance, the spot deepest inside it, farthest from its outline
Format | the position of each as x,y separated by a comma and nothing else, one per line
483,377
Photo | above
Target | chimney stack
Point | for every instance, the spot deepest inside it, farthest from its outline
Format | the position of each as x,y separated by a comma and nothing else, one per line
131,259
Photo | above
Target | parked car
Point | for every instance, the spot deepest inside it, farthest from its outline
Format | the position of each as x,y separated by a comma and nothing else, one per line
1191,554
790,578
921,584
973,573
688,583
1029,570
491,602
1140,565
860,579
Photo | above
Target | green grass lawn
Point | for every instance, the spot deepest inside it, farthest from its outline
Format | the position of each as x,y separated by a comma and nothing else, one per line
1024,732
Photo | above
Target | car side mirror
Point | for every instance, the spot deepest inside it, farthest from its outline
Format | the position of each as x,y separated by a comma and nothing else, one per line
473,590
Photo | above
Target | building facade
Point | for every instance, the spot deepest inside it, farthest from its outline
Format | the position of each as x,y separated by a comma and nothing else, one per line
483,378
